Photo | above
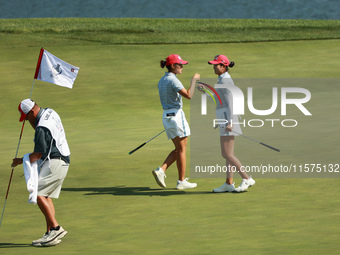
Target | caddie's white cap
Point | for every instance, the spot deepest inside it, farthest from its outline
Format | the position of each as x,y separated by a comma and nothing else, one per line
24,108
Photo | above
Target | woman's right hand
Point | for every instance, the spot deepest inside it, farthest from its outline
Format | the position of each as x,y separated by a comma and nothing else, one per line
191,89
197,76
229,128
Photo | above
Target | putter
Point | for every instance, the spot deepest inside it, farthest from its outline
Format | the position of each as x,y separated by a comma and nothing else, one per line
270,147
140,146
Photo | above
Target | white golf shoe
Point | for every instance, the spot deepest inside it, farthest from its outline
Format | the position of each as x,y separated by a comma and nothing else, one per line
52,243
185,184
225,188
51,238
159,176
40,240
245,184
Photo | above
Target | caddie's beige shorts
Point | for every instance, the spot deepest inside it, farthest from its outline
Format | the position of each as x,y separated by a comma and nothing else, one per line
51,177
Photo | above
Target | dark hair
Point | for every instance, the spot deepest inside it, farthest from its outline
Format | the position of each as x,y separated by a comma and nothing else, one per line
163,64
231,64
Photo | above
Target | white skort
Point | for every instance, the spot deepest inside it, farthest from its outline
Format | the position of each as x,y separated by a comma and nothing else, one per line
222,114
175,123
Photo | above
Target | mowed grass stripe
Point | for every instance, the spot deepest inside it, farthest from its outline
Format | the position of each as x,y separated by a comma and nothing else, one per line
161,31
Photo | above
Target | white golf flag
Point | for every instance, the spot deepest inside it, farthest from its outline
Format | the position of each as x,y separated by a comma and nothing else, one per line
54,70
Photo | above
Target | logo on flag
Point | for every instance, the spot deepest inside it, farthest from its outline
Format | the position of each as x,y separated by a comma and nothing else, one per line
54,70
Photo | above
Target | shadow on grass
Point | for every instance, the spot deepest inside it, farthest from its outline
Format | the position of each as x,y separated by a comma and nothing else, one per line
133,191
14,245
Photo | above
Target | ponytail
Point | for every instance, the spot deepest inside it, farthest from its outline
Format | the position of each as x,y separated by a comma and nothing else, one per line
163,63
231,64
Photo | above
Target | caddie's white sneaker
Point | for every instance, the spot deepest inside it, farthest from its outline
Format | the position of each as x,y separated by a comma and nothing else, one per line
53,236
225,188
245,184
185,184
159,176
53,243
40,240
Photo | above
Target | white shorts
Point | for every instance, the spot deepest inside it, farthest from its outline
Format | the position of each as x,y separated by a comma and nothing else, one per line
51,178
222,114
175,123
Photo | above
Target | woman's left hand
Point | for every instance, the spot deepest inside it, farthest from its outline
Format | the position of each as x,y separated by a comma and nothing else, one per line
201,88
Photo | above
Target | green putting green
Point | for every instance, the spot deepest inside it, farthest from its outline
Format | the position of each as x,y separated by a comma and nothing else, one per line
110,203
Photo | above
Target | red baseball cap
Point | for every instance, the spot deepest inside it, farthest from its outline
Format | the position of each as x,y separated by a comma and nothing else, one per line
220,59
175,59
24,108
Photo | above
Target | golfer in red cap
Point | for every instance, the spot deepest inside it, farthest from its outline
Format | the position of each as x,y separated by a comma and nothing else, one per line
225,111
176,126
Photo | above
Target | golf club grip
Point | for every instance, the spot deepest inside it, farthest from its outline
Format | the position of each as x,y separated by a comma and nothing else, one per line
270,147
140,146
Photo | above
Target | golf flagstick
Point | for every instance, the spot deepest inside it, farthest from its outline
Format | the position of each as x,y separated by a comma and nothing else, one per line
10,179
140,146
16,154
22,129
